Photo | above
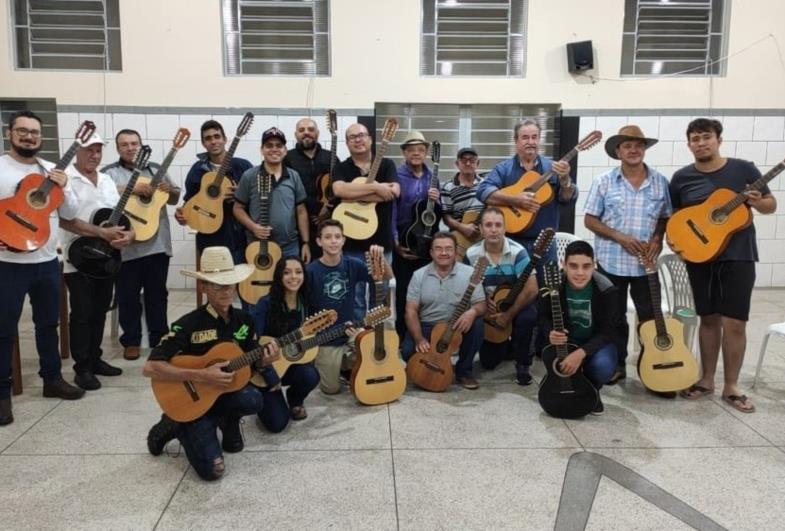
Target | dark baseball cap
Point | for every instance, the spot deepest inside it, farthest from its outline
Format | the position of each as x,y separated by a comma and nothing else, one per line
271,133
466,150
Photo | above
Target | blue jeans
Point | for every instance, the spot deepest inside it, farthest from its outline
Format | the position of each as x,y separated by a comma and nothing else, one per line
360,299
600,366
492,354
301,379
42,283
469,347
147,274
199,437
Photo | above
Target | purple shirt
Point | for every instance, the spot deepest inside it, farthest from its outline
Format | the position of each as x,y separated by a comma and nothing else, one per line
413,189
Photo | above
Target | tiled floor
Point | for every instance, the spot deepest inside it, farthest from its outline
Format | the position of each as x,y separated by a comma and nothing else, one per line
488,459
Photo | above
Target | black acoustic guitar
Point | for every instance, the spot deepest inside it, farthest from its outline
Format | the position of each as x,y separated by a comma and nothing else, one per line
426,214
564,397
94,256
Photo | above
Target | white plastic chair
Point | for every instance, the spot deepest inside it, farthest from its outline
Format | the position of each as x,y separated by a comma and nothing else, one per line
562,240
777,329
678,295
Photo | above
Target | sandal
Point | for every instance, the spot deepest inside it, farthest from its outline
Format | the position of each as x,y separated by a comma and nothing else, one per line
298,413
695,392
740,402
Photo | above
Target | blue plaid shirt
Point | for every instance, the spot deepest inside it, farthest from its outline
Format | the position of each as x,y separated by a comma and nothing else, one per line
513,261
621,207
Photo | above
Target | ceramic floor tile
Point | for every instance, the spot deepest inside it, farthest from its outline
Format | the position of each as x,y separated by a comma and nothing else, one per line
769,416
28,409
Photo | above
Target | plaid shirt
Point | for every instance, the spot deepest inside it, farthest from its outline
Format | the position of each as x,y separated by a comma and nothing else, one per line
623,208
512,262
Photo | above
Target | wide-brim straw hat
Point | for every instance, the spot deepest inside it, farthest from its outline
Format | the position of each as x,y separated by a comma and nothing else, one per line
628,132
413,138
218,267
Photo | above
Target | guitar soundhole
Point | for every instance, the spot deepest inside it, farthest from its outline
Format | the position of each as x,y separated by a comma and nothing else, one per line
213,191
557,369
718,216
428,219
37,199
145,200
442,346
263,261
663,342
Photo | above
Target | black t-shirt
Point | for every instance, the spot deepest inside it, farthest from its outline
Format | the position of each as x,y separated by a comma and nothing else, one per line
690,187
309,169
347,171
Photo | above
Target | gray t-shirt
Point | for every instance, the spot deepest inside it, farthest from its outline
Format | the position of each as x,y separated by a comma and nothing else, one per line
162,241
287,193
438,296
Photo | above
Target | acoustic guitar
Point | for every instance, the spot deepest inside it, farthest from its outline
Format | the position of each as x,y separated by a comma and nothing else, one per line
562,396
204,212
262,254
378,376
94,256
189,400
145,212
433,370
324,183
426,214
665,363
517,219
306,349
24,217
504,296
473,217
701,232
359,218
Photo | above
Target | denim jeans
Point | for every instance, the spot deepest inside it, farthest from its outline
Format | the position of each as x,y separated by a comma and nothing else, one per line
600,366
144,275
42,283
492,354
469,346
301,379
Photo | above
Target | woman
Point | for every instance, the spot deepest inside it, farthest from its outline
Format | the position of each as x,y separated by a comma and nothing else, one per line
276,314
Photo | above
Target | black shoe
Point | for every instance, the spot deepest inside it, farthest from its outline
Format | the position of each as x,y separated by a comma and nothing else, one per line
599,409
232,436
522,376
62,389
160,434
87,381
101,368
6,415
620,374
670,395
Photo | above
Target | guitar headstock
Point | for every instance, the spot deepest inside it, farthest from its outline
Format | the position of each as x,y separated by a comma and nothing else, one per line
245,124
180,138
332,121
142,157
543,241
85,131
265,184
589,141
375,266
479,271
389,129
376,316
552,277
318,322
436,151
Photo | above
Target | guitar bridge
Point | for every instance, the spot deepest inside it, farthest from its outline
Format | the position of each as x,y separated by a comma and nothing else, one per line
22,221
135,217
697,232
261,283
432,366
671,365
381,379
204,212
190,388
355,216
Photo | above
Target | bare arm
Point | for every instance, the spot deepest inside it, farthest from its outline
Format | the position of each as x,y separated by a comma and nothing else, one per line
303,226
371,192
238,209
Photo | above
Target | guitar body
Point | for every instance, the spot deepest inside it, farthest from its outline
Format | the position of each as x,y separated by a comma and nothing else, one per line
698,234
204,212
493,333
516,219
565,397
433,370
291,354
425,224
94,256
378,377
24,217
359,218
258,284
665,364
187,401
144,213
464,242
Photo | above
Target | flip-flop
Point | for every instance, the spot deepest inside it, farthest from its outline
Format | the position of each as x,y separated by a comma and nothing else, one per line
695,392
739,401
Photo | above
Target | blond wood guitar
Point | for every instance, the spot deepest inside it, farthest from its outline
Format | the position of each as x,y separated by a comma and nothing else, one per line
517,219
204,211
701,232
473,217
359,218
189,400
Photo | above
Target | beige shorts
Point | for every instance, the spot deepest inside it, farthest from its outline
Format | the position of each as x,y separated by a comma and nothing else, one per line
330,361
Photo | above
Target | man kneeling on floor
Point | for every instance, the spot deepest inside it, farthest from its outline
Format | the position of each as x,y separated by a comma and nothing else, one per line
195,334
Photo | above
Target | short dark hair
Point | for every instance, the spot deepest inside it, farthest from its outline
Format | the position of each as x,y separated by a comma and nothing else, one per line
579,247
328,223
489,210
444,235
24,114
704,125
211,124
127,132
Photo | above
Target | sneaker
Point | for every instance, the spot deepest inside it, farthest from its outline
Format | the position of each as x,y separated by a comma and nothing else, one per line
522,376
232,436
467,382
620,374
87,381
160,434
131,352
101,368
6,415
599,409
62,389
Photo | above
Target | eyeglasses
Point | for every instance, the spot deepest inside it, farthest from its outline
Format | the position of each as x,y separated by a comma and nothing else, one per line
21,131
467,160
358,136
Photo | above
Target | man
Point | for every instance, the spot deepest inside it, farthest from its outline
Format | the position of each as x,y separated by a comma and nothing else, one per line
723,286
434,292
414,177
331,279
36,273
507,261
459,195
195,334
383,191
231,233
145,265
90,298
289,225
590,313
627,209
310,161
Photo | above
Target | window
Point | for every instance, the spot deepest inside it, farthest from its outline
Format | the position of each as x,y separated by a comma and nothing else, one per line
473,38
45,108
278,37
67,34
684,37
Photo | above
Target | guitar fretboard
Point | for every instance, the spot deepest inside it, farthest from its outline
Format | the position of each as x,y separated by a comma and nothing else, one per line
558,320
656,303
139,162
254,355
740,198
159,175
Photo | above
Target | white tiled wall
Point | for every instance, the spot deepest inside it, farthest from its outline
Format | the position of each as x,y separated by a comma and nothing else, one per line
760,139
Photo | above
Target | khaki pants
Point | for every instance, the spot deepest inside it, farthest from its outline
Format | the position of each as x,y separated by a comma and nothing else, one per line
330,361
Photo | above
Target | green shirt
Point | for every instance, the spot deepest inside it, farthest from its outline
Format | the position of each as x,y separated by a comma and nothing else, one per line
579,318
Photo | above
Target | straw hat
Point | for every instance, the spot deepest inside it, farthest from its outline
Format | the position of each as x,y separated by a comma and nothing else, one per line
628,132
218,267
414,137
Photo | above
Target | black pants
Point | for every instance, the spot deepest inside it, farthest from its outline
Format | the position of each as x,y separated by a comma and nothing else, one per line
403,270
144,275
89,300
639,291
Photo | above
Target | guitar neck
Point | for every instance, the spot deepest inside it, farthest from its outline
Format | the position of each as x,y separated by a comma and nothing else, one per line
324,337
227,162
463,305
334,154
159,175
517,287
757,185
656,303
62,164
264,200
434,184
119,208
558,321
550,173
252,356
377,162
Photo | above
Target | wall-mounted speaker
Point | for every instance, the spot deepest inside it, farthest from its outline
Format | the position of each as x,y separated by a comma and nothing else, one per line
579,56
